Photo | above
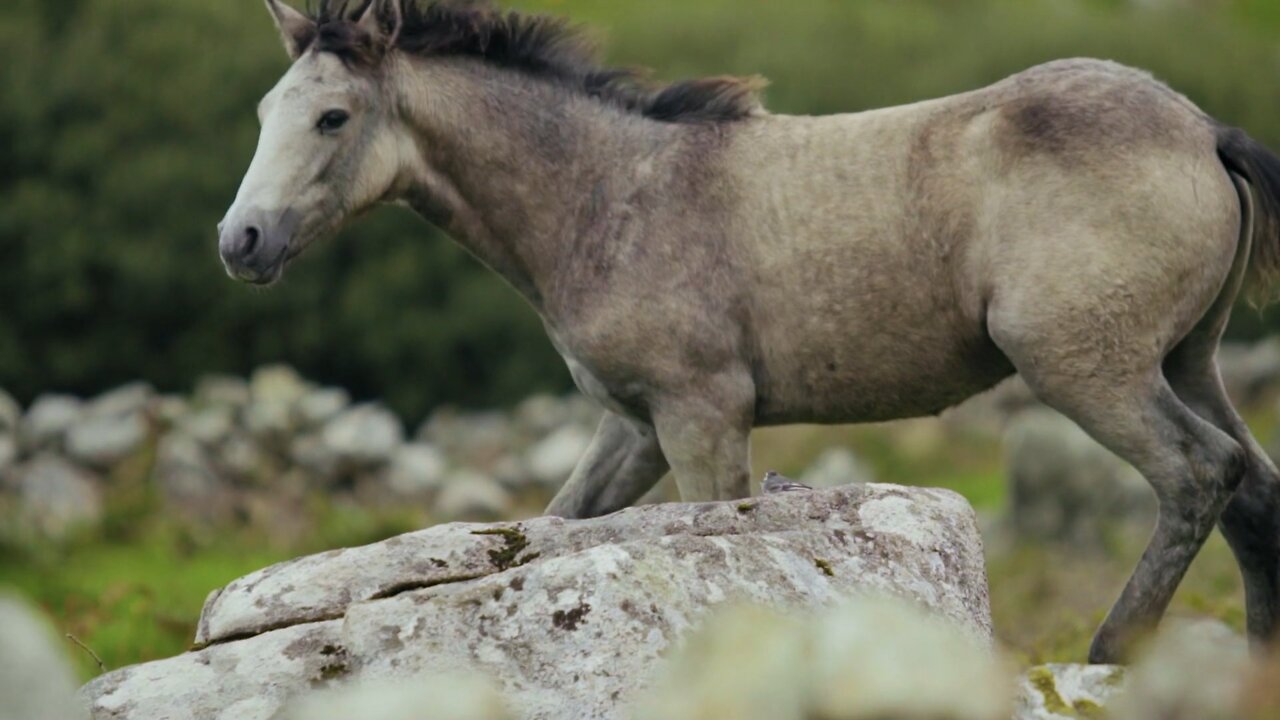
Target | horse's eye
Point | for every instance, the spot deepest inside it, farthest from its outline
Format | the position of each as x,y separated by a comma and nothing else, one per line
332,121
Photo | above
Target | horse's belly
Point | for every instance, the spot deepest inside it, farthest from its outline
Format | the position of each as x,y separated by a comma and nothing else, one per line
880,377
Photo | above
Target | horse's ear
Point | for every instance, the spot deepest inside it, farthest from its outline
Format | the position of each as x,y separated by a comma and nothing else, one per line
382,19
297,30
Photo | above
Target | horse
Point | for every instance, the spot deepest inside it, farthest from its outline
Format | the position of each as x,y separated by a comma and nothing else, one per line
706,267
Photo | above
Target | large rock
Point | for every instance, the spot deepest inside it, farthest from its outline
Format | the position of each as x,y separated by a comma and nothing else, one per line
1065,487
571,616
36,681
553,458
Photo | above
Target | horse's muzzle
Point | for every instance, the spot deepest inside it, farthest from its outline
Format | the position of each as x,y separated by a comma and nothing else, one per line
255,246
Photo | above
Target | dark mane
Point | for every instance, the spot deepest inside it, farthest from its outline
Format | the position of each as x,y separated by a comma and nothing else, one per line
542,46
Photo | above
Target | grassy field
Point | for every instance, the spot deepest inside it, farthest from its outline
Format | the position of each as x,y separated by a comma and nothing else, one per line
134,592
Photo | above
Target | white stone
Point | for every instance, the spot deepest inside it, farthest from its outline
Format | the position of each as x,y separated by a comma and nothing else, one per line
36,681
188,481
469,495
210,426
48,420
127,400
416,469
10,414
320,406
364,435
836,467
277,385
102,440
553,459
1067,692
56,497
571,617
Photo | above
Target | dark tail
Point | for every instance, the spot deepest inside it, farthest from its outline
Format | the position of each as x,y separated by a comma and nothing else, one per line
1260,167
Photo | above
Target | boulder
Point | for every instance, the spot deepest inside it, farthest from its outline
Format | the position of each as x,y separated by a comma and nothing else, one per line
48,420
8,454
56,497
36,681
836,467
1067,692
364,435
210,425
1065,487
570,616
1191,671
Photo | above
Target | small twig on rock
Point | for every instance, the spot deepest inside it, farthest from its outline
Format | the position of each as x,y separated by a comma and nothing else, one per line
102,667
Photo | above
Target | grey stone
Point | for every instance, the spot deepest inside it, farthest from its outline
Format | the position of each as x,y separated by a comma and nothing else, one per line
277,385
316,458
240,455
56,497
8,452
364,435
103,440
554,458
269,421
836,467
36,681
541,415
10,414
320,406
48,420
131,399
169,410
1067,692
1065,487
572,617
476,439
416,469
470,495
189,482
210,426
223,391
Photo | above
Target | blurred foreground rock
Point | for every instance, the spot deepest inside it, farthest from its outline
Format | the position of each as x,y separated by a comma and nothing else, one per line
571,617
1067,692
868,659
36,681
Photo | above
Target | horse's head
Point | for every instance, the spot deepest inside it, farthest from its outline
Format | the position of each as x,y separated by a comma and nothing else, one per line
330,145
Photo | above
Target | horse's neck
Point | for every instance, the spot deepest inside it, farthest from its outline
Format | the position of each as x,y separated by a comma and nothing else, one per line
516,171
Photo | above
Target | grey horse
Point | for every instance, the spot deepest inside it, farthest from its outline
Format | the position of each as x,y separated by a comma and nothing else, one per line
706,267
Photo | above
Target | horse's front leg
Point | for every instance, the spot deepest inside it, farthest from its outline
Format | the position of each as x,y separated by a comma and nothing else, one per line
705,433
621,465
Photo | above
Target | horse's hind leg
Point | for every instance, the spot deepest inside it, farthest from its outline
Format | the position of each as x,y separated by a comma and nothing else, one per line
1193,466
1251,521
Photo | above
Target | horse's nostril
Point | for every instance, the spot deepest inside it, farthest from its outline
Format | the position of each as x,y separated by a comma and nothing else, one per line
251,237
